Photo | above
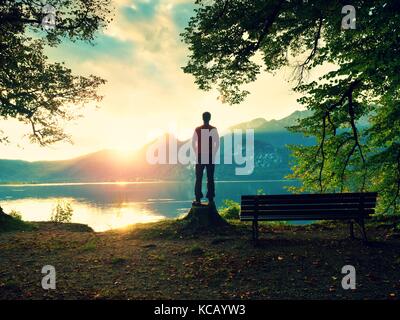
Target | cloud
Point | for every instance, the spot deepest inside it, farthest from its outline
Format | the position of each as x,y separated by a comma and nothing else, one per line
104,47
140,10
181,14
141,55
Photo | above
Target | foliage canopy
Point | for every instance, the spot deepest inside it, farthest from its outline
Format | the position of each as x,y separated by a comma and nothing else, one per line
38,93
227,38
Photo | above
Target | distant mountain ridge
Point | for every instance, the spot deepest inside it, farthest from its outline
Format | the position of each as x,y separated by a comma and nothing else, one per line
271,160
260,124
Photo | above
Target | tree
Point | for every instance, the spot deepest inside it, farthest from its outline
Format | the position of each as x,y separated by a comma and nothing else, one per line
41,94
225,39
204,217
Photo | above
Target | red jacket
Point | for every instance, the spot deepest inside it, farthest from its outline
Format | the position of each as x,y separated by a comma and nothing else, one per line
205,140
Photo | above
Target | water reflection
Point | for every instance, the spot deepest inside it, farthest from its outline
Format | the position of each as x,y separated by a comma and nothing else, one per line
106,206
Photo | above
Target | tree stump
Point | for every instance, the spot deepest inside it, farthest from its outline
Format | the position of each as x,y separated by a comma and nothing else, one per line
204,217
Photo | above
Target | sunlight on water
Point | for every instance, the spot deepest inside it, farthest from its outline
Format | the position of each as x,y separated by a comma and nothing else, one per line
98,218
104,205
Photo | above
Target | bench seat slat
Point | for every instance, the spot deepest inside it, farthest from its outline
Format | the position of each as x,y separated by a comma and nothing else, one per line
311,211
312,196
296,206
300,217
309,201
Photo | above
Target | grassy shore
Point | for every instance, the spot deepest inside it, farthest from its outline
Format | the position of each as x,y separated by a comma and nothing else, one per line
162,260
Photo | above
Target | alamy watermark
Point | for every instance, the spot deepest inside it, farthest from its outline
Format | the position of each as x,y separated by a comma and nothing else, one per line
349,280
49,280
349,20
49,17
235,151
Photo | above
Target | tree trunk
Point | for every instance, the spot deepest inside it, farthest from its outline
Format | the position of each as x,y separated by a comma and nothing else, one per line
204,217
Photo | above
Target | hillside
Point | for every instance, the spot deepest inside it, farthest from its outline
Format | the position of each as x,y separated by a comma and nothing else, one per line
271,160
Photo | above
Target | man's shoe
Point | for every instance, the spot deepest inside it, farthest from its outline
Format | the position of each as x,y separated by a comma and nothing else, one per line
196,203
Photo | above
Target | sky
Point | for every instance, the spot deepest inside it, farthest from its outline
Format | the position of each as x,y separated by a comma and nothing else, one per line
141,54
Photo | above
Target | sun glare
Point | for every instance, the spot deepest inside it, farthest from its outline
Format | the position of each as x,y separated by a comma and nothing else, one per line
125,151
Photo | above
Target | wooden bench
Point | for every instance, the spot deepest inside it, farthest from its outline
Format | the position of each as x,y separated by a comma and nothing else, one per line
354,207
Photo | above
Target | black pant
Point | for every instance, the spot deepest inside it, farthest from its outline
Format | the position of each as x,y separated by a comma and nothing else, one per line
210,181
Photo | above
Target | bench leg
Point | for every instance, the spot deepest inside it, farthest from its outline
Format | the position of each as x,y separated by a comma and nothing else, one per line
363,232
351,224
255,231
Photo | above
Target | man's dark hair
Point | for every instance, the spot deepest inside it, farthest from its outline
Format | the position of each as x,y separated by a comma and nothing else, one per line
206,116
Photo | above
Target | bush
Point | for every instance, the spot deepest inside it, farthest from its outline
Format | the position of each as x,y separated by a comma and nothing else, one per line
9,223
62,212
261,192
16,214
230,210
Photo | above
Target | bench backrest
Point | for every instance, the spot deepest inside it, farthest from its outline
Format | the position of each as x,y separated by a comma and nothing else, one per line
327,206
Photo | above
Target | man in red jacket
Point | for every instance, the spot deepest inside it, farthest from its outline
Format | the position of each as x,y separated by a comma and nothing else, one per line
205,144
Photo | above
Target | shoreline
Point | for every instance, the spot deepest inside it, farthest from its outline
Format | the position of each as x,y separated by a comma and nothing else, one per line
46,184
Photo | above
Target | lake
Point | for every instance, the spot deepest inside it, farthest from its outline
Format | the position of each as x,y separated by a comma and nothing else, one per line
105,206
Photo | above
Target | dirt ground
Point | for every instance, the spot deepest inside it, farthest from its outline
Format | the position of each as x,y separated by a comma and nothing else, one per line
157,261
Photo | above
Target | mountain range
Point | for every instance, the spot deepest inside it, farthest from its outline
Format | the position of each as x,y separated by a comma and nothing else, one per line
271,159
